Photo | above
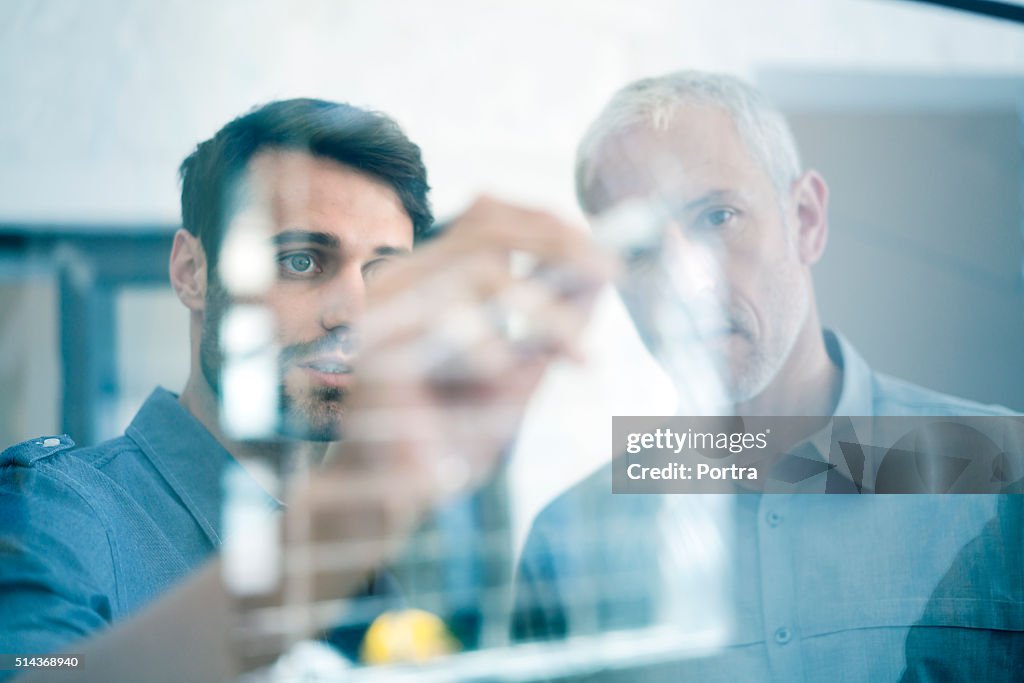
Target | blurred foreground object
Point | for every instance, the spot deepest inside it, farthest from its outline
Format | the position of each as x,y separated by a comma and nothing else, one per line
407,636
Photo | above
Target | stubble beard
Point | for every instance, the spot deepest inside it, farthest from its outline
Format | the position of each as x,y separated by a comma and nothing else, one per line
311,415
749,372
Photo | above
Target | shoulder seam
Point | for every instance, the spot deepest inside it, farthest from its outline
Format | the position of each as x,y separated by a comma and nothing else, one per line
72,485
107,457
937,401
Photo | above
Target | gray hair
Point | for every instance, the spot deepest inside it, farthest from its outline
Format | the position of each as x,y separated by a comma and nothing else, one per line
653,102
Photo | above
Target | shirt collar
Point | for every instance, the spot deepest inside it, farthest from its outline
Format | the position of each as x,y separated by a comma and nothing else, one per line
856,391
185,454
856,394
856,398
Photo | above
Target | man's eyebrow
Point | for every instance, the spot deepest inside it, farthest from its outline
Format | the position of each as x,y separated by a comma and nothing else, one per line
327,240
305,237
391,251
710,198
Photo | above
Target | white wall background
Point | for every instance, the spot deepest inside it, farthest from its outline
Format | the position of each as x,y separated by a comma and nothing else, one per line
104,98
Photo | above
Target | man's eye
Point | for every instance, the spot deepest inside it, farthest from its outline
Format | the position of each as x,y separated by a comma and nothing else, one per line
299,263
374,267
642,258
716,218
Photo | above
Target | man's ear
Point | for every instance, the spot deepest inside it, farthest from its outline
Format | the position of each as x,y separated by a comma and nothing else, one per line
810,200
188,270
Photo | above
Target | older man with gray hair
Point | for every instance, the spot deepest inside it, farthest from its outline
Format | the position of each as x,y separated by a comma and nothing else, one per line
726,227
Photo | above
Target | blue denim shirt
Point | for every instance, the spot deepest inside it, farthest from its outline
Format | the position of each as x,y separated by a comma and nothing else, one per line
89,535
823,587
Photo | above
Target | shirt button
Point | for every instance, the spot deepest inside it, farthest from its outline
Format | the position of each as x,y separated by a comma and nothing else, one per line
773,518
783,636
51,442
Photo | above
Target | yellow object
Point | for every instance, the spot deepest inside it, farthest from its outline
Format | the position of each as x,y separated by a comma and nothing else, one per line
409,635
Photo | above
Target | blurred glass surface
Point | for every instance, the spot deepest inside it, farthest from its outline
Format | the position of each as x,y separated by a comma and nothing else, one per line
912,112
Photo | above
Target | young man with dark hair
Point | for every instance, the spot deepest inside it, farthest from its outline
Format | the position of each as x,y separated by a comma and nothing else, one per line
301,216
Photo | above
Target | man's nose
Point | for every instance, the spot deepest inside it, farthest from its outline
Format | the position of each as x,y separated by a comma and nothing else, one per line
344,299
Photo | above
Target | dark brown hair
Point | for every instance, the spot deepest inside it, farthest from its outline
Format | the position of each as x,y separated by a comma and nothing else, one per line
366,141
